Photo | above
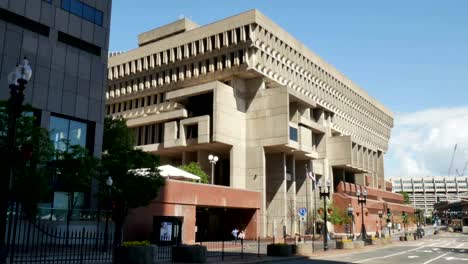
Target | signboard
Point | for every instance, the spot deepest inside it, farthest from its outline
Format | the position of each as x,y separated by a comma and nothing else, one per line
166,231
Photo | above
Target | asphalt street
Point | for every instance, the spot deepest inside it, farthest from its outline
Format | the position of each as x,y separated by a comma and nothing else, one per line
447,248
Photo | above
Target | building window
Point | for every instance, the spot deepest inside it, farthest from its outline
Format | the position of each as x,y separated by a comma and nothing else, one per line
65,130
79,43
293,133
24,22
83,10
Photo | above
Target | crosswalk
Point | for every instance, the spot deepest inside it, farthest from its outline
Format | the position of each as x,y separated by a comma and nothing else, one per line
448,249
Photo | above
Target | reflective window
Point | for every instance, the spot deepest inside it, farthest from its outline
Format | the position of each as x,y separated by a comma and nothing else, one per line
88,13
66,4
84,11
63,130
76,8
293,133
98,18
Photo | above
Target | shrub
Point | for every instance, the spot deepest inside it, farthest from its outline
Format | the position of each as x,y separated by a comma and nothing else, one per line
195,169
136,243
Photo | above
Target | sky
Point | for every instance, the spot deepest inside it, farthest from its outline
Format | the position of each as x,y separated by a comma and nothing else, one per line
412,56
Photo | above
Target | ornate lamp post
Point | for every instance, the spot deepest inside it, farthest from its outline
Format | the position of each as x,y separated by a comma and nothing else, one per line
212,159
351,215
325,193
405,218
389,223
17,81
362,199
109,183
381,228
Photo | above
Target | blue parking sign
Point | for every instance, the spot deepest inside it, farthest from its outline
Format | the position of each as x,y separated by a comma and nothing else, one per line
302,211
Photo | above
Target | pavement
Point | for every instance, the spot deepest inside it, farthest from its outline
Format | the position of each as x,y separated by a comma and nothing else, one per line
447,248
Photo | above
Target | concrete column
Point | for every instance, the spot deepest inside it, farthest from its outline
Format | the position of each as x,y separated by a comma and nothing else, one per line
292,220
276,193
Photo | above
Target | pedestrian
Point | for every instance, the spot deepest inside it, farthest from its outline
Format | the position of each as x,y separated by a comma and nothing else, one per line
234,233
242,235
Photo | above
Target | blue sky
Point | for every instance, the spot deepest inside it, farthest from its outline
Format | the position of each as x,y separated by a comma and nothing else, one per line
410,55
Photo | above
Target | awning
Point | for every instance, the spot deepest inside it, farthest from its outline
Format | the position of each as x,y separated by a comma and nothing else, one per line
176,173
170,172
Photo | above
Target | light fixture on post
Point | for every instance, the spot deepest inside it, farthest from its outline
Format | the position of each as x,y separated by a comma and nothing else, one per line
324,190
17,81
381,227
212,159
405,219
362,198
109,183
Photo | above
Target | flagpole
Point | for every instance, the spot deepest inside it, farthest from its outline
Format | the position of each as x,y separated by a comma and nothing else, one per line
314,183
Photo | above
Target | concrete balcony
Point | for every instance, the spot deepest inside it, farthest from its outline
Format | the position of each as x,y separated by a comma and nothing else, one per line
189,131
153,114
300,140
343,154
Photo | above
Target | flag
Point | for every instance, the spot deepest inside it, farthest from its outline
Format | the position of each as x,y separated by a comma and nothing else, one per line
311,174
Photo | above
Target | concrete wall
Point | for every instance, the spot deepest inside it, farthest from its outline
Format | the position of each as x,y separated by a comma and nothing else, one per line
178,198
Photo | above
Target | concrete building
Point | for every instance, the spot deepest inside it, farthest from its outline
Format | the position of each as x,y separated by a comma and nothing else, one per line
245,90
424,191
66,43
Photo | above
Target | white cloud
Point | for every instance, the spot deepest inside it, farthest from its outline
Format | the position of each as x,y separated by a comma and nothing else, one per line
422,143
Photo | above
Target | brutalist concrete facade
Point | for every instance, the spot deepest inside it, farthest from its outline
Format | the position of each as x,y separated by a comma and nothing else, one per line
66,42
244,89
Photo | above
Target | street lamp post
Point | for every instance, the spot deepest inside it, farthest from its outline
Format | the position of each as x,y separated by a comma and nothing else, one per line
109,183
404,215
351,215
381,228
389,223
362,198
17,81
325,193
212,159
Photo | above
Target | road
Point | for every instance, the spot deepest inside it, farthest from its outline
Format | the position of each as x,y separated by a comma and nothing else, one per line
447,248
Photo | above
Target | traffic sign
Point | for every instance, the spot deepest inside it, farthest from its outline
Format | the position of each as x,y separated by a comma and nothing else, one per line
302,211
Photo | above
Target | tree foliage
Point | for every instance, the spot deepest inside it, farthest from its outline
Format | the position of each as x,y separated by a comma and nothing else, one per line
132,187
195,169
74,169
406,199
32,153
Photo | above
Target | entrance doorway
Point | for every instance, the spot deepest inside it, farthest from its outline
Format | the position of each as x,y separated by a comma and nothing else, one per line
216,224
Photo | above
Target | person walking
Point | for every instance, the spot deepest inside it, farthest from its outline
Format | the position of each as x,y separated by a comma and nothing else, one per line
234,233
241,235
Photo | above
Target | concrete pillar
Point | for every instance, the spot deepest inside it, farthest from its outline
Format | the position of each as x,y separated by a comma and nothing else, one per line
276,193
292,220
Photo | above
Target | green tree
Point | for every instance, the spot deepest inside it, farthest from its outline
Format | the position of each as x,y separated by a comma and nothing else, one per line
34,150
74,169
406,199
136,180
195,169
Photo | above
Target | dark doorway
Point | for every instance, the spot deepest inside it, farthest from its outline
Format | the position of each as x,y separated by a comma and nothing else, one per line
222,173
216,224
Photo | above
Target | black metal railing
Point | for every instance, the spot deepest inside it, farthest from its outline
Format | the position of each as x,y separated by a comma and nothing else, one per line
32,240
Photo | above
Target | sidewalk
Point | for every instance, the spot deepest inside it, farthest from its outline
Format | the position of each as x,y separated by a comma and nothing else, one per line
250,257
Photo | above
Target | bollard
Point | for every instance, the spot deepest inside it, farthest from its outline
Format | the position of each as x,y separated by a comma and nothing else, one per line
222,251
258,247
242,248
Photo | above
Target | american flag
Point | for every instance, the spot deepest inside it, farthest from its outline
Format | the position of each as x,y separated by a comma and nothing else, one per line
311,174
